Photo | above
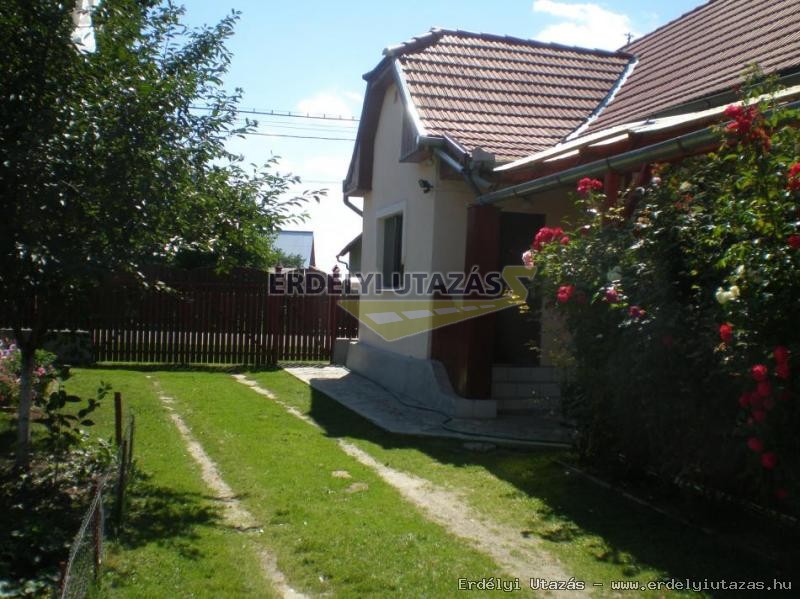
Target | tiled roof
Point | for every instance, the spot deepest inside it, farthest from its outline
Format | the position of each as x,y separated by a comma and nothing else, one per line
703,53
508,96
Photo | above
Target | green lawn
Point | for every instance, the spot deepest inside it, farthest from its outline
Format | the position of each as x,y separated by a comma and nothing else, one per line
598,535
173,543
327,538
334,540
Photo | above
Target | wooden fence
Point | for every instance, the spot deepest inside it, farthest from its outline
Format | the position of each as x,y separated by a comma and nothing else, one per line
200,317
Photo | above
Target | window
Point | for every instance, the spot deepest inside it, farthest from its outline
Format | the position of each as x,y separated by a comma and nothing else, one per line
392,264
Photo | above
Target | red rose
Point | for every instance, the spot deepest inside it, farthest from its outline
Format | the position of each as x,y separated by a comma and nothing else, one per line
782,371
636,312
769,460
565,293
565,240
612,297
764,389
759,372
755,444
726,333
781,354
794,177
794,240
744,400
586,185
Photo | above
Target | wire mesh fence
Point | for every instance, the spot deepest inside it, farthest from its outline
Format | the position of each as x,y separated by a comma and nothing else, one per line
102,519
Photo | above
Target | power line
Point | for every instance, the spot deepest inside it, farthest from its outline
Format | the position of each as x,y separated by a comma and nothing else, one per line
298,136
289,113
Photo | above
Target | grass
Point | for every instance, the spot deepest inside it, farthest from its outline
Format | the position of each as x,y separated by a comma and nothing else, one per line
331,538
173,543
328,539
597,534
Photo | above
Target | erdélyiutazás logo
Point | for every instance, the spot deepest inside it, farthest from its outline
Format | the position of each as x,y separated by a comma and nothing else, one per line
393,315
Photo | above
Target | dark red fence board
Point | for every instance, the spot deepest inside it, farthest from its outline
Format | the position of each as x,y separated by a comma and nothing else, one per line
207,318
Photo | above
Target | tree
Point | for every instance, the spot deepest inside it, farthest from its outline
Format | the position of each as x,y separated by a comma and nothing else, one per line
105,166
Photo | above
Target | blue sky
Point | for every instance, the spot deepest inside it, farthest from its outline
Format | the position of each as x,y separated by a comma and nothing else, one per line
309,55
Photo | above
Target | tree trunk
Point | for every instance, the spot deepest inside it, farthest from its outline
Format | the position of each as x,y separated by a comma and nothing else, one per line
27,352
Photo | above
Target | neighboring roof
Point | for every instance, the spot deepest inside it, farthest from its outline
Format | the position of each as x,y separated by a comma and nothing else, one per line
355,242
637,132
704,53
297,243
508,96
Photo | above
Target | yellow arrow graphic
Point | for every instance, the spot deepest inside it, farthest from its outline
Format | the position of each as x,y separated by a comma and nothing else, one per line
396,318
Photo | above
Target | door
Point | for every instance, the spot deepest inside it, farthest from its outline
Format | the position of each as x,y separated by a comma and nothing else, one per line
518,331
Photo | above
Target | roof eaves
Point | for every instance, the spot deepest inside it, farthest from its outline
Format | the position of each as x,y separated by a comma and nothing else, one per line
408,100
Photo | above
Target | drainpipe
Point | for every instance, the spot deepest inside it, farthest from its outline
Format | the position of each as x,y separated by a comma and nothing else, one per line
474,181
665,150
352,206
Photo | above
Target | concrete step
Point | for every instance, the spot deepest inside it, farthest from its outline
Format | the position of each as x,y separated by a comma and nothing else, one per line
506,390
524,374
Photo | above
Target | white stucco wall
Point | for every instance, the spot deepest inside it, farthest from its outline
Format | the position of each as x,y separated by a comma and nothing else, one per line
434,224
395,189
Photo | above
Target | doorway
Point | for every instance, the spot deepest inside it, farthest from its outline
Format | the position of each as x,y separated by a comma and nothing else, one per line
518,332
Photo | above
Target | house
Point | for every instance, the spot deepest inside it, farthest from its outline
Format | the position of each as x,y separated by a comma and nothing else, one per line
469,143
297,243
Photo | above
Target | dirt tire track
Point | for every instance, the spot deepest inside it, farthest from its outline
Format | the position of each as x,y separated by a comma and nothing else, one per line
519,556
235,514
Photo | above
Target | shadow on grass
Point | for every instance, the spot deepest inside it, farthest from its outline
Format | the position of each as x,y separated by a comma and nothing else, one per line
612,528
157,514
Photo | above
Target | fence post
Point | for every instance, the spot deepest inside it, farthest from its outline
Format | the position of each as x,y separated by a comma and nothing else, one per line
97,527
120,490
118,417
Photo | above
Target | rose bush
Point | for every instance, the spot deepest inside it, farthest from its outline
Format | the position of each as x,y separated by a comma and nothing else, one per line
684,352
43,373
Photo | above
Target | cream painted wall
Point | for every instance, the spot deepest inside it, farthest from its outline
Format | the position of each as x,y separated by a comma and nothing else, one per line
395,189
435,224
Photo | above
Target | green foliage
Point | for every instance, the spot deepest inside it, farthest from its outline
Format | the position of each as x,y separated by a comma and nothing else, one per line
105,164
709,242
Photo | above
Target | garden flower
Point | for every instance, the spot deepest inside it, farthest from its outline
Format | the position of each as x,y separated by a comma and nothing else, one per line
546,235
586,185
527,260
781,354
782,371
794,177
769,460
755,444
759,372
759,415
726,333
565,240
764,389
636,312
565,293
794,242
744,399
723,297
612,296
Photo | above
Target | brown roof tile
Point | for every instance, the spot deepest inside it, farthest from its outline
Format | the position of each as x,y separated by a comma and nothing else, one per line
703,53
509,96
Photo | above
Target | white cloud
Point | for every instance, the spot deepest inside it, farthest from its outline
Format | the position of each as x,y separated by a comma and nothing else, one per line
588,25
330,103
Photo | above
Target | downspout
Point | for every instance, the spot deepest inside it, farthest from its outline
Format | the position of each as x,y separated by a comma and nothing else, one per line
353,207
665,150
